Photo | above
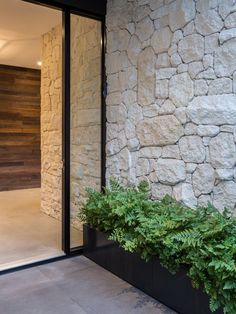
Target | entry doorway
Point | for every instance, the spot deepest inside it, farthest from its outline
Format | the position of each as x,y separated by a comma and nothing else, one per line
51,116
30,133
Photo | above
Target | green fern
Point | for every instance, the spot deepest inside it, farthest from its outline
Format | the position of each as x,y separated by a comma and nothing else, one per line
203,240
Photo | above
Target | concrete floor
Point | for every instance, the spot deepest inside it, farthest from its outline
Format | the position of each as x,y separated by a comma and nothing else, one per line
72,286
27,234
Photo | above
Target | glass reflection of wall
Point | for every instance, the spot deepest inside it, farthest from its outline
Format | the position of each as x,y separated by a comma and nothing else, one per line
85,115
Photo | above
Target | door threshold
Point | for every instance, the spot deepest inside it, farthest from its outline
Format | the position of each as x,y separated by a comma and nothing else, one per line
30,262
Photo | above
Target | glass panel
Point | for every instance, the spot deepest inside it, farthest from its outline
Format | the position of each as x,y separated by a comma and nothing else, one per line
85,115
30,133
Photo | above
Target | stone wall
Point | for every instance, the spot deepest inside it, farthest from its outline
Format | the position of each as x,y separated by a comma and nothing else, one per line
85,110
171,104
51,123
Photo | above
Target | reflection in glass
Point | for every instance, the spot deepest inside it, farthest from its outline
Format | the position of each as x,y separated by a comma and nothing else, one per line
85,115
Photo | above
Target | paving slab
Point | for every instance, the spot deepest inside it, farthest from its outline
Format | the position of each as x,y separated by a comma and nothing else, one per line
75,285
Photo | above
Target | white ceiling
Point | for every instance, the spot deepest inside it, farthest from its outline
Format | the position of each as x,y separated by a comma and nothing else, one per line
21,27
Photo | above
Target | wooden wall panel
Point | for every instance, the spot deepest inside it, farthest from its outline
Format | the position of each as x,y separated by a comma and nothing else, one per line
19,128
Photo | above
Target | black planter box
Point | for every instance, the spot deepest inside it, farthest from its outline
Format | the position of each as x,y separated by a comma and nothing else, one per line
175,291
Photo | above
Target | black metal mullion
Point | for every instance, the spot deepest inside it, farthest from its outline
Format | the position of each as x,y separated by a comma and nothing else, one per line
66,133
103,108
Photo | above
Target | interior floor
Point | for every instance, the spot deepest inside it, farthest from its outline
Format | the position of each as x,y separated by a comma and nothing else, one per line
26,233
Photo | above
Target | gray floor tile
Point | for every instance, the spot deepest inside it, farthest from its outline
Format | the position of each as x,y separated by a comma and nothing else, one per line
27,280
63,268
45,300
71,286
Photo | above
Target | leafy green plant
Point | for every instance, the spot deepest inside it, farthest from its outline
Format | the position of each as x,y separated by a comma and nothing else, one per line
201,240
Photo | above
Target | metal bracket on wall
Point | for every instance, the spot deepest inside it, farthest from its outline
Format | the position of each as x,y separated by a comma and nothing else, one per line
105,90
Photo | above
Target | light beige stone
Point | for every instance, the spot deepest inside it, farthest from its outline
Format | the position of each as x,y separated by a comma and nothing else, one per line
224,195
183,192
128,78
222,151
230,21
160,190
192,149
161,40
181,89
167,108
160,131
170,171
226,35
203,179
220,86
213,109
171,151
162,88
163,60
184,14
225,63
165,73
144,29
146,77
51,122
134,48
151,111
207,24
191,48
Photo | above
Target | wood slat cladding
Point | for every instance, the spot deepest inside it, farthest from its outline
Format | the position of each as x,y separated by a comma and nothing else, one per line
20,159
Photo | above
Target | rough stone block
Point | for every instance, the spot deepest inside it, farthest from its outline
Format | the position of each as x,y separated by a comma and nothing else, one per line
222,151
220,86
146,77
160,190
207,24
171,151
230,21
225,61
179,18
162,90
160,131
208,130
214,110
192,149
183,192
200,87
181,89
224,195
144,29
170,171
165,73
163,61
203,179
167,108
161,40
191,48
227,34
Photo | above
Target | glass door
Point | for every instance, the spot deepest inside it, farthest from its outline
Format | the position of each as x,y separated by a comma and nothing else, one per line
31,91
85,116
51,77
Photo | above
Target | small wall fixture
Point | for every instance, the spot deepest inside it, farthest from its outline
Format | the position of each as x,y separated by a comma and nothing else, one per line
39,63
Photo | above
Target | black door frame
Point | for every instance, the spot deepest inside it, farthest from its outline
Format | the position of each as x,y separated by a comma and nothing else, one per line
66,122
94,10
